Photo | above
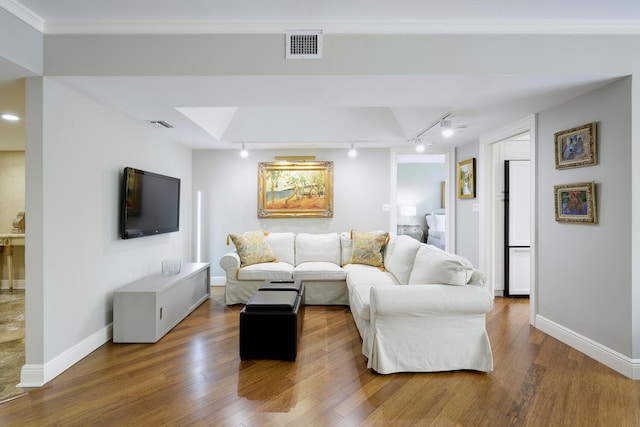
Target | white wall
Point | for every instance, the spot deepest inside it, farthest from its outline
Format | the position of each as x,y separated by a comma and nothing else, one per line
75,257
229,188
468,220
584,270
20,45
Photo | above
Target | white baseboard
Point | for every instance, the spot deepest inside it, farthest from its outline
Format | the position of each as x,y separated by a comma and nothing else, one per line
618,362
34,375
218,280
17,284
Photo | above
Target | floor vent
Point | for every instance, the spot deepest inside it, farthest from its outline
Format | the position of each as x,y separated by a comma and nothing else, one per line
160,123
304,44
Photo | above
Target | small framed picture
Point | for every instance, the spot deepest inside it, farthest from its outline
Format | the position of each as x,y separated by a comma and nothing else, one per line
467,179
575,202
576,147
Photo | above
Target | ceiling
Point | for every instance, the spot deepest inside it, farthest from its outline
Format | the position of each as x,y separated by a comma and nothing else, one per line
335,111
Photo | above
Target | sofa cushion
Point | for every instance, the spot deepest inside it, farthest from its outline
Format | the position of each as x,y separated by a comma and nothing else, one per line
360,279
266,271
435,266
317,247
367,275
319,270
367,248
252,248
346,245
283,246
399,255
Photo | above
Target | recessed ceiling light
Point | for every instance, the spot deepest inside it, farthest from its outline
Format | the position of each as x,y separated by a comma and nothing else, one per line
10,117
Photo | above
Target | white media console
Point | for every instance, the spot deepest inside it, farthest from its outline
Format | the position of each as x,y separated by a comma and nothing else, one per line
145,310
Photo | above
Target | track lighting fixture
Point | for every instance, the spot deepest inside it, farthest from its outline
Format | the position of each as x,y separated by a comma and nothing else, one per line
420,147
353,152
447,130
244,153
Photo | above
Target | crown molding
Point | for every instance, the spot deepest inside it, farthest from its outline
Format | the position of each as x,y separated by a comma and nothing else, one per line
422,27
24,14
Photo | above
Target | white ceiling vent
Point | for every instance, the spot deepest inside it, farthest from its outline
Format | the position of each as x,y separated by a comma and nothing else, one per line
304,44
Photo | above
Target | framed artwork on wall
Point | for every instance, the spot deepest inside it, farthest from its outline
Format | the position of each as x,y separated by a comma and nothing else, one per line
575,202
467,179
295,190
576,147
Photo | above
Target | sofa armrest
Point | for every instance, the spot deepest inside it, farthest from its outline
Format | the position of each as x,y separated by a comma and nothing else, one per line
407,301
230,263
478,278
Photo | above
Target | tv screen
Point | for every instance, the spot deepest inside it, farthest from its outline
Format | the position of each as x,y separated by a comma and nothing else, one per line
150,204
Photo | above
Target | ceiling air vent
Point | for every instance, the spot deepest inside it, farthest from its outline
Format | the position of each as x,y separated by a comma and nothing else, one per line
160,123
304,44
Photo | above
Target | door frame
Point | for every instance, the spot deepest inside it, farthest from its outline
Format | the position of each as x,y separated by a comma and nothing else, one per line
486,196
450,201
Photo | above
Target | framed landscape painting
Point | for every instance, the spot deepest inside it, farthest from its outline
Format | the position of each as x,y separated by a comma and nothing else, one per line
576,147
298,190
575,202
467,179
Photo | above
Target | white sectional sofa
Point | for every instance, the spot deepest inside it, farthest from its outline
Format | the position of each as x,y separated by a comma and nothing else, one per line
423,311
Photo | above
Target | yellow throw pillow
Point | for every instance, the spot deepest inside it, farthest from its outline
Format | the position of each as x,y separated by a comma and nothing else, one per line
252,248
367,248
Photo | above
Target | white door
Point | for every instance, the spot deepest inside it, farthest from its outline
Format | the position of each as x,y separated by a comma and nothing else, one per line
519,238
519,203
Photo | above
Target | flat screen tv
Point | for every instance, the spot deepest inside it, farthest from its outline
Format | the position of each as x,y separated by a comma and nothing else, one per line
150,204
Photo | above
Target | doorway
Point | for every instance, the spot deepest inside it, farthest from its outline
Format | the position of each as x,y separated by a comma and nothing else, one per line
421,190
516,141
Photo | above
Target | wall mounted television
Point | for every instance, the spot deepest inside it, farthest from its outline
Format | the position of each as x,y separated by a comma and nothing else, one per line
150,204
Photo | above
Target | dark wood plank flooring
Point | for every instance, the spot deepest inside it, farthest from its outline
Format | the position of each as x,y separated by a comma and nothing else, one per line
193,377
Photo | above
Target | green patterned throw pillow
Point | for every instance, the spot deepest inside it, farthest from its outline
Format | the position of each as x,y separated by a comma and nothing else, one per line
367,248
252,248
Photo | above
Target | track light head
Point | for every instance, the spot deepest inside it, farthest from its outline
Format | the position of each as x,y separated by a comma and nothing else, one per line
447,130
244,153
353,152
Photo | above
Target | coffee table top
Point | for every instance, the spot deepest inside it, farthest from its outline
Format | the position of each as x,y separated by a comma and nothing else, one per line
281,300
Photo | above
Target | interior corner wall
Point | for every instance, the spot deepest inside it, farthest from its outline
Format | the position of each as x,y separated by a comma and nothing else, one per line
229,186
76,152
584,270
467,217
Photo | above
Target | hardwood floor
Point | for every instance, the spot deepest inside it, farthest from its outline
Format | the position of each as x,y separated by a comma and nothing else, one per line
193,376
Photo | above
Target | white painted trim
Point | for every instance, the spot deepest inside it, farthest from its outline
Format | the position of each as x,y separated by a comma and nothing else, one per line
23,13
218,280
618,362
34,375
485,179
417,27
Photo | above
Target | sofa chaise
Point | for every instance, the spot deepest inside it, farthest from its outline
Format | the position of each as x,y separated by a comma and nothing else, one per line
417,308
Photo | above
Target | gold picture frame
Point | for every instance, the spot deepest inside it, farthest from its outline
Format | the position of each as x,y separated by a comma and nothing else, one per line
295,190
576,147
575,202
467,179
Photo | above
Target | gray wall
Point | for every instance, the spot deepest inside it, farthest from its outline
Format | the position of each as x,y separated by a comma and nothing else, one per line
584,270
420,185
75,154
468,221
229,186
